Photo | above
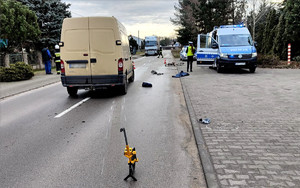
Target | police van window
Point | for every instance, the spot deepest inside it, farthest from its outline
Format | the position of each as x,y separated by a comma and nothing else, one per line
235,40
214,35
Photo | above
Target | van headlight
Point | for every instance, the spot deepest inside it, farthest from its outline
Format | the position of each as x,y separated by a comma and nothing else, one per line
223,55
254,54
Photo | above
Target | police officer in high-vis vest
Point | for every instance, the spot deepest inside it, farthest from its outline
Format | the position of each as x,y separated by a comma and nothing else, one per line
190,50
57,59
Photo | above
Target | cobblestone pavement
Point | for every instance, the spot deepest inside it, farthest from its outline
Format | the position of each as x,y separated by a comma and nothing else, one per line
253,139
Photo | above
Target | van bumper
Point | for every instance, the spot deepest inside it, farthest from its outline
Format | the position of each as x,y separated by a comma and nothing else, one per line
238,63
83,82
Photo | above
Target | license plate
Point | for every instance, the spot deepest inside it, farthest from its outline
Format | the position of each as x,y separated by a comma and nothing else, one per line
77,65
240,63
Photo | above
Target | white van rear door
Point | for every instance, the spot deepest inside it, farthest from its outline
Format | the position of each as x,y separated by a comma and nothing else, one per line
102,53
76,49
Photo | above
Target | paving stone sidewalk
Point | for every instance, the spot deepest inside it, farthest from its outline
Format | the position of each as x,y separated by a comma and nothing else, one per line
253,139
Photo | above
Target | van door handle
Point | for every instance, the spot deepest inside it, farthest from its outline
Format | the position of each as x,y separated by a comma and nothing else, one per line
93,60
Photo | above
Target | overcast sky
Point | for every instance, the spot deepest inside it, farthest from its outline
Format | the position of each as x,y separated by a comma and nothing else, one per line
149,17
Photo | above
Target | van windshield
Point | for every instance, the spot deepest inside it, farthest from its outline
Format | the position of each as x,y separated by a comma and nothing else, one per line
150,43
235,40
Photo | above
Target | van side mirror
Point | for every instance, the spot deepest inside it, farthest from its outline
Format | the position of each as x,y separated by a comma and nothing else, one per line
255,43
214,46
118,42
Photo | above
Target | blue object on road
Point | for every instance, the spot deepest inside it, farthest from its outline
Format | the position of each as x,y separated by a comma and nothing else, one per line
146,84
205,121
181,74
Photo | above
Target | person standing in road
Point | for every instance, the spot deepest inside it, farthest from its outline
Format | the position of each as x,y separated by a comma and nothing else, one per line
57,59
190,50
47,60
160,52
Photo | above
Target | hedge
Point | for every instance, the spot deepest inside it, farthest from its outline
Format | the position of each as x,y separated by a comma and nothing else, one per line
16,72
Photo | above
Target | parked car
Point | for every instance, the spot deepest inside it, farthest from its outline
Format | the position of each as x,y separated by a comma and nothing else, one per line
183,56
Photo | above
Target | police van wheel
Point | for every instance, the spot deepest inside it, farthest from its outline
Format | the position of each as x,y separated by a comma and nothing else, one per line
72,91
219,69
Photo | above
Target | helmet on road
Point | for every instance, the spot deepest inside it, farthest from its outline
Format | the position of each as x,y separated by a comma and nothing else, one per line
56,47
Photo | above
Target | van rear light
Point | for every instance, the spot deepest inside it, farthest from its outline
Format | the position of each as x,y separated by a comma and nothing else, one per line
62,66
120,65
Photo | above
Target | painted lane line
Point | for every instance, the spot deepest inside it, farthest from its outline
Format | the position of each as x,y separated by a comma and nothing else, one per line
102,168
72,107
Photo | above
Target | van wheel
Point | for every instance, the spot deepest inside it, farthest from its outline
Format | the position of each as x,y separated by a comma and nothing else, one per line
72,91
252,69
219,69
131,79
124,87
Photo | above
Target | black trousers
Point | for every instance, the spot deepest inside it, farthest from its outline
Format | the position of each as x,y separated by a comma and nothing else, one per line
190,63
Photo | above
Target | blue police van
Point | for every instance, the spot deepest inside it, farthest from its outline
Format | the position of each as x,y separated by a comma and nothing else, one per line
227,46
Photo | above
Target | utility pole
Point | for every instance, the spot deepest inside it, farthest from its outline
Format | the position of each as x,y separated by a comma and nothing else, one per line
138,40
254,21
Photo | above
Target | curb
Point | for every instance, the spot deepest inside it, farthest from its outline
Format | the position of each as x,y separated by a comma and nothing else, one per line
209,171
34,88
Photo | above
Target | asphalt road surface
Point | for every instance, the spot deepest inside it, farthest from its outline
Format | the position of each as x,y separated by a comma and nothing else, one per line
48,139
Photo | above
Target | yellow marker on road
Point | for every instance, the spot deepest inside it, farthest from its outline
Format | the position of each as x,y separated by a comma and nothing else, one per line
130,153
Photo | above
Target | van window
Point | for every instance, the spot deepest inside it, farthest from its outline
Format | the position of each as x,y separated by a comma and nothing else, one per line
124,39
235,40
151,43
76,40
102,40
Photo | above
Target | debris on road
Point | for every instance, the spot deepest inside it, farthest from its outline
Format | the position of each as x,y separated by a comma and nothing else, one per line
205,121
130,153
158,73
180,64
170,64
146,84
181,74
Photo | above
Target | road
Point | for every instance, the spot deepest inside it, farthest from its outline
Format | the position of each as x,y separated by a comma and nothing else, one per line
43,145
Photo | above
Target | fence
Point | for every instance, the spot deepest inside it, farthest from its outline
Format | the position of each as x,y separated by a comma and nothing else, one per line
29,58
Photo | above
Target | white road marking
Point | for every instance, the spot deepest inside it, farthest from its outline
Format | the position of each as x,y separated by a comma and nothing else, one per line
103,160
72,107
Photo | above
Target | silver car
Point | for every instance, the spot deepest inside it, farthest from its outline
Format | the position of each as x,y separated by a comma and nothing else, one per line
183,56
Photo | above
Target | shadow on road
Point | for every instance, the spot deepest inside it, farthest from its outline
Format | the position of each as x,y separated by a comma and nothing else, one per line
98,93
235,71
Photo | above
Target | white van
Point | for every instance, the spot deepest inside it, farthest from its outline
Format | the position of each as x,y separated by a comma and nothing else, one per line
95,53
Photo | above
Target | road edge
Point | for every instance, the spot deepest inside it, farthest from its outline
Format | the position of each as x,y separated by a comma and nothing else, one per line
27,90
209,171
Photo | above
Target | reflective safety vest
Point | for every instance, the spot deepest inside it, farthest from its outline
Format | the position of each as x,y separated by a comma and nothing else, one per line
57,57
190,51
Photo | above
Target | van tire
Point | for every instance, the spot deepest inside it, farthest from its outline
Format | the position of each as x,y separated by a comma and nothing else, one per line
124,87
219,69
131,79
72,91
252,69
